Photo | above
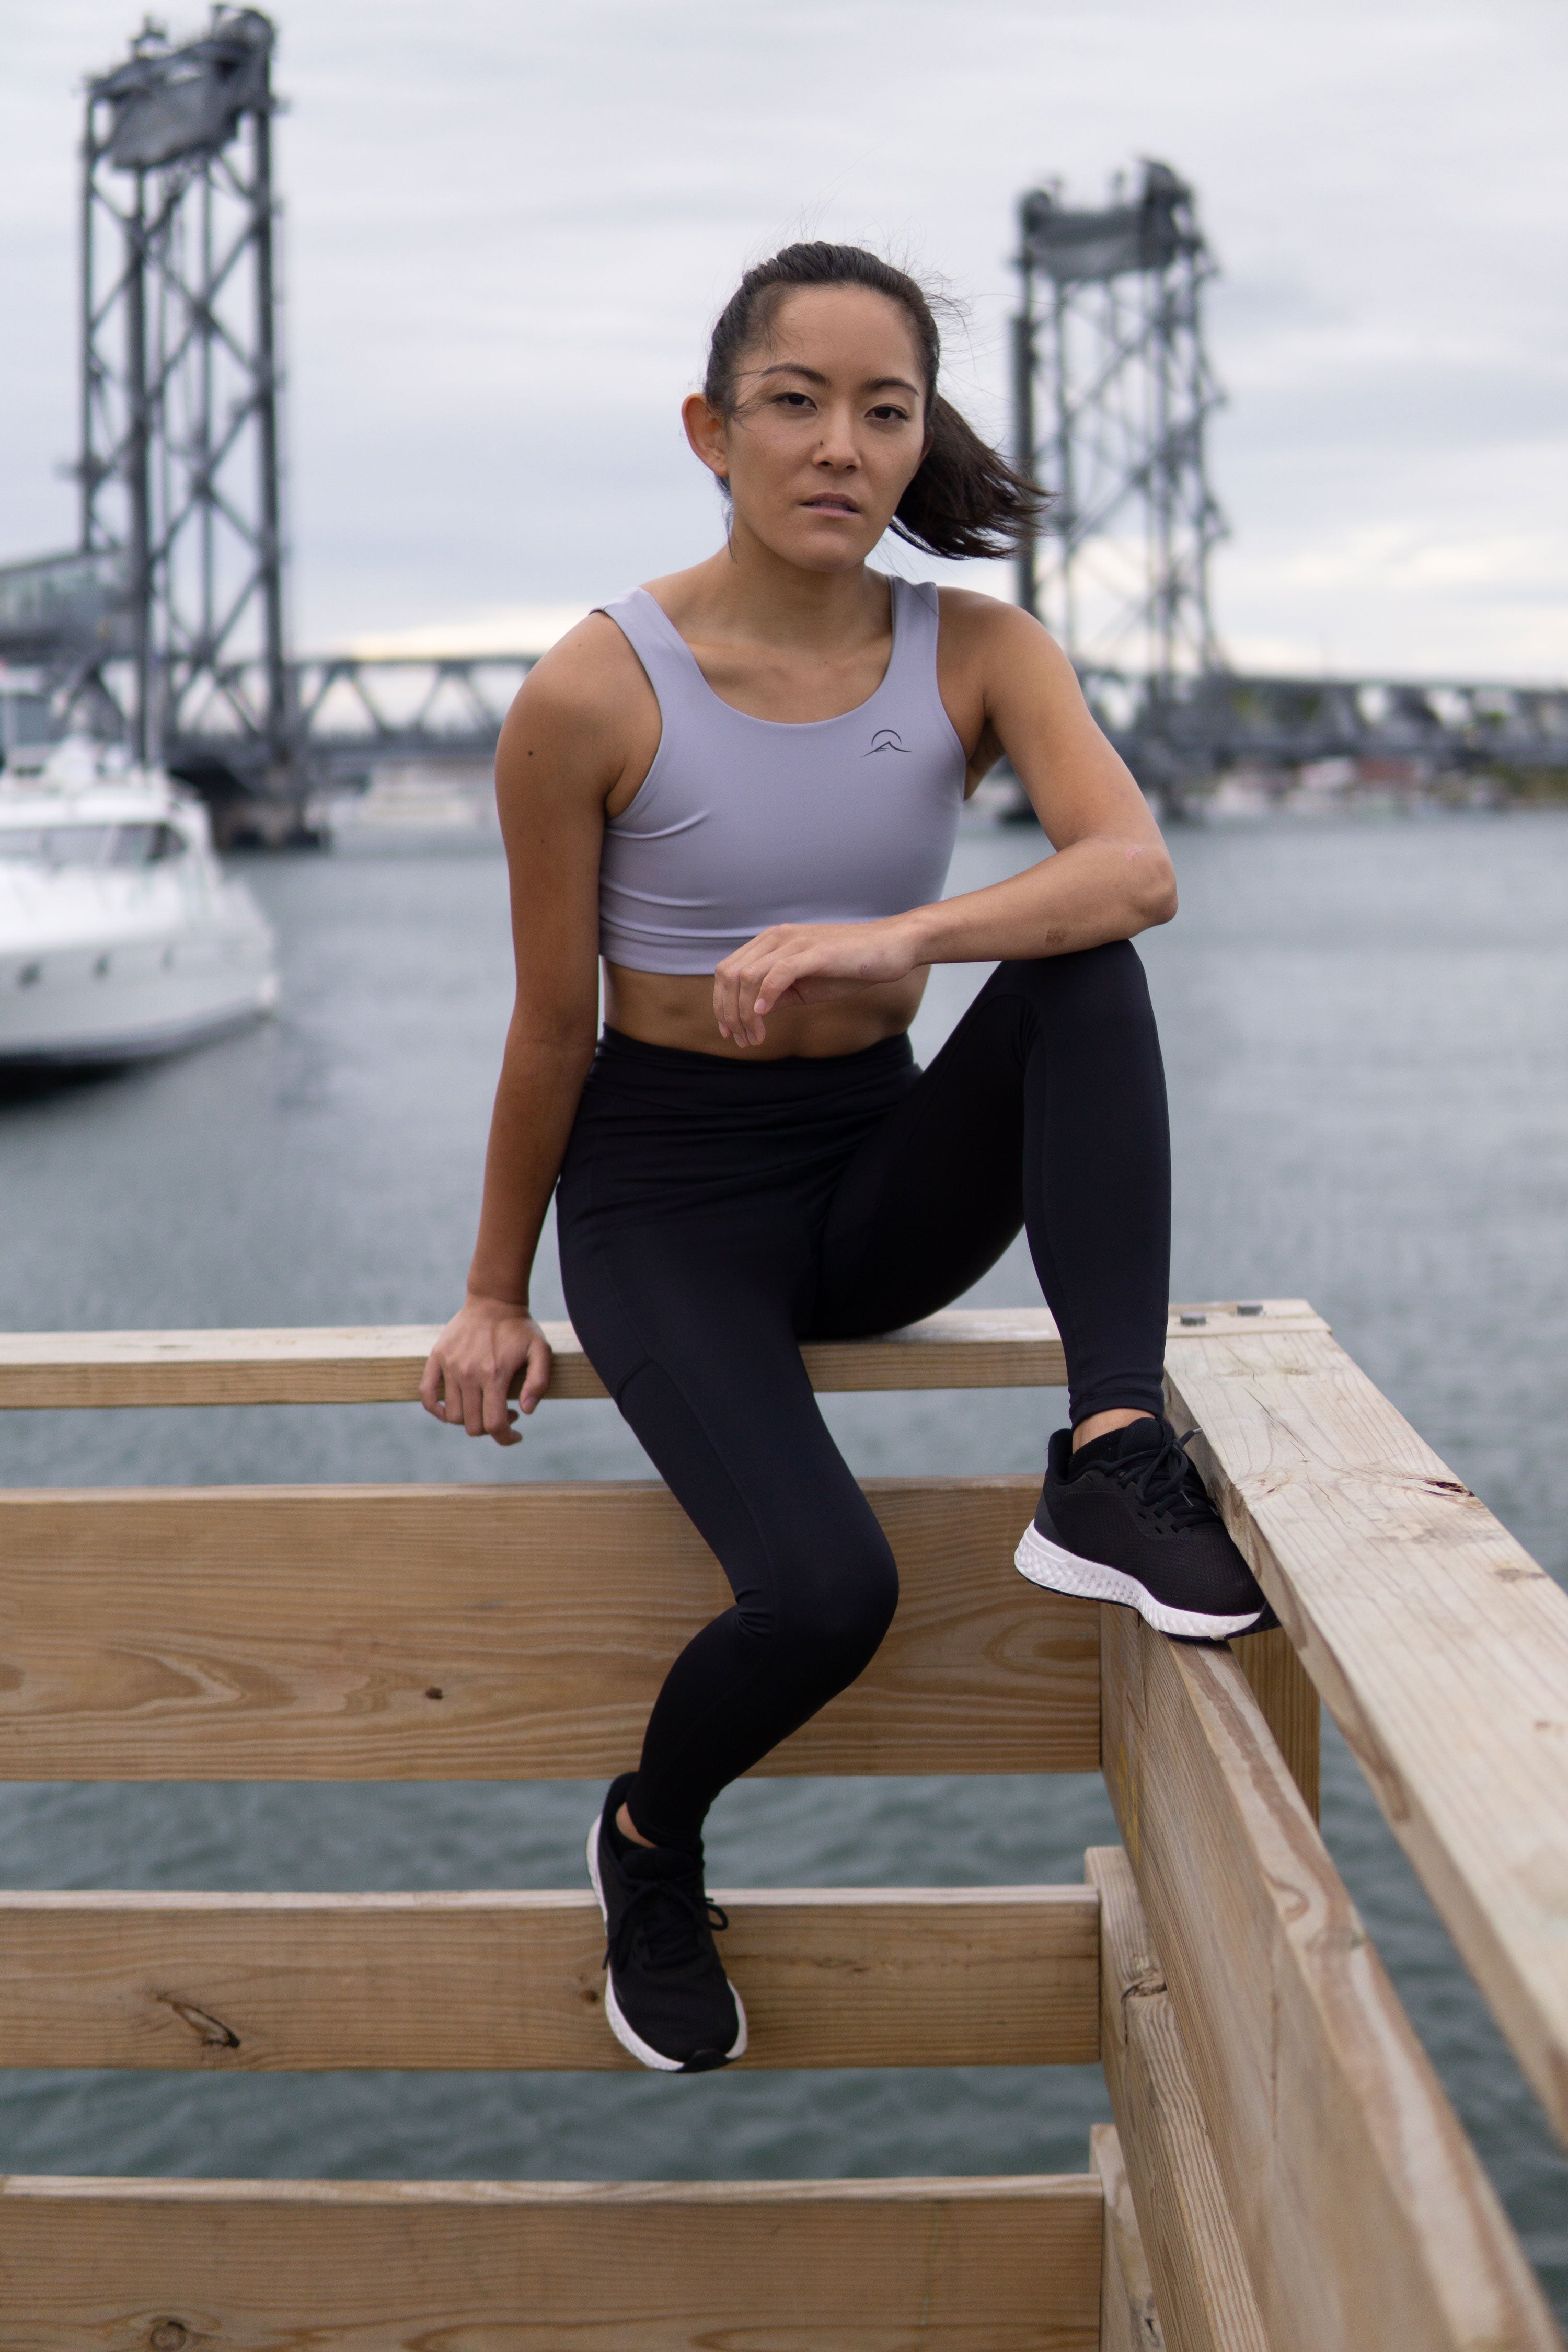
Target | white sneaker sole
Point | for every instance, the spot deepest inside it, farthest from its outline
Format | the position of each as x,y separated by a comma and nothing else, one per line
627,2035
1046,1563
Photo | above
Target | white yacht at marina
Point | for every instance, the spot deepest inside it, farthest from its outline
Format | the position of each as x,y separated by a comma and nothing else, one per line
120,935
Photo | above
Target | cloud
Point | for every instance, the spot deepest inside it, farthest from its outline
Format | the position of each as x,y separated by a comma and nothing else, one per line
498,629
508,227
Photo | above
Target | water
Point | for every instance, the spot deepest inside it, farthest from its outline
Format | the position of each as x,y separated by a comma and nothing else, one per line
1365,1028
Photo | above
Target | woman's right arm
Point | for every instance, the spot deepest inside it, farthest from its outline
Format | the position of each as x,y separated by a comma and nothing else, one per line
562,753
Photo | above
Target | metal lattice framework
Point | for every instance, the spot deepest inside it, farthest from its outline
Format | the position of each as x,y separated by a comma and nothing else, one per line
179,468
1112,393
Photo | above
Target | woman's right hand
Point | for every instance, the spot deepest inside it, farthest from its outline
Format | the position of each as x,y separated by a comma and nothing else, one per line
474,1365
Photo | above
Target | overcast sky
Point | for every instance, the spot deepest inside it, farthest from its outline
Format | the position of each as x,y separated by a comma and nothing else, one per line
508,227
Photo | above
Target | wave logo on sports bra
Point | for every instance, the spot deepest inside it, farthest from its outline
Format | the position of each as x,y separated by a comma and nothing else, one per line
885,739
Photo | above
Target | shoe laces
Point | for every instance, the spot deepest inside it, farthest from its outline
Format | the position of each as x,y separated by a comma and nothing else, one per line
1165,1482
670,1917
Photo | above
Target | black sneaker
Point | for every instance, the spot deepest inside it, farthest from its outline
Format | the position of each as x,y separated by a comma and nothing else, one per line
666,1997
1129,1520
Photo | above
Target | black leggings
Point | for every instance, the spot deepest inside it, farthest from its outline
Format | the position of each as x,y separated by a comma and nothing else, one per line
712,1213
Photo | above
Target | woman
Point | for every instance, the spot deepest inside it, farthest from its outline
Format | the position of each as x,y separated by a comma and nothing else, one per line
739,786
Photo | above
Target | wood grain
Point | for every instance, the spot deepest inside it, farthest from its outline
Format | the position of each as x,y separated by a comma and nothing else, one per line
1128,2317
1291,1708
1001,2265
1439,1647
840,1976
1194,2259
967,1347
488,1633
1364,2217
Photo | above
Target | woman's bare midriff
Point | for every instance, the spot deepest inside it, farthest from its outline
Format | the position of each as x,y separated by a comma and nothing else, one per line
669,1009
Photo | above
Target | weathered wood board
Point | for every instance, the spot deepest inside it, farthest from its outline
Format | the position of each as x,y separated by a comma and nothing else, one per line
1439,1647
403,2266
1128,2317
967,1347
1199,2275
836,1977
1362,2213
488,1633
1291,1707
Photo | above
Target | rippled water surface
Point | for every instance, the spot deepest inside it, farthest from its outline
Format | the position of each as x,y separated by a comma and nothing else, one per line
1367,1031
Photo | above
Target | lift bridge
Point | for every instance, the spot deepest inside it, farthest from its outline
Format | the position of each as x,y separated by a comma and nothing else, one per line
165,627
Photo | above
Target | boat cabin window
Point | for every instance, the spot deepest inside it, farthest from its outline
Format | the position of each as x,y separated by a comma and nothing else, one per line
146,844
55,845
89,844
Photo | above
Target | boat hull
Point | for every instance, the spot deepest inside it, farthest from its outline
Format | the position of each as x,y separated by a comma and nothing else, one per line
79,1034
121,937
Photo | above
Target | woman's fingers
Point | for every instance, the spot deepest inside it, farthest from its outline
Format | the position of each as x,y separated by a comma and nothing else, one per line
478,1365
804,964
741,993
774,983
727,1004
800,963
738,1016
536,1372
472,1407
445,1397
499,1416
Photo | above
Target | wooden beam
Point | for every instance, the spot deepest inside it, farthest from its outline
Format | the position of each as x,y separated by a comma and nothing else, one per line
1128,2319
841,1977
1364,2216
967,1346
488,1633
1439,1647
1194,2258
1291,1708
400,2266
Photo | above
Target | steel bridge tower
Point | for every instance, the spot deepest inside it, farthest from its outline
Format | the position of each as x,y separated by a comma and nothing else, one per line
1112,391
179,466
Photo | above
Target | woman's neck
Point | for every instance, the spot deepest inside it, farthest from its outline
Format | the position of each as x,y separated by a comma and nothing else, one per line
747,594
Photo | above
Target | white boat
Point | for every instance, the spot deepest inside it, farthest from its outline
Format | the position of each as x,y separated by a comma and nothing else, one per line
120,935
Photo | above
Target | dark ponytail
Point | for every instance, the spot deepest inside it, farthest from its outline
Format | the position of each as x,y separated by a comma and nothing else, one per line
965,498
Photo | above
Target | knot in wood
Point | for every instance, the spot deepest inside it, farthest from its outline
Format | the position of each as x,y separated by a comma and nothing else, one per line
210,2031
169,2336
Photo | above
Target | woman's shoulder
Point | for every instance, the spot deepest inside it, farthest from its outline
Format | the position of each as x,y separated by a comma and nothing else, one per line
984,630
593,659
972,613
586,704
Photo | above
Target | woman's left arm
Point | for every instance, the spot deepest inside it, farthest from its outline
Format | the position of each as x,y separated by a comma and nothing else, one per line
1110,877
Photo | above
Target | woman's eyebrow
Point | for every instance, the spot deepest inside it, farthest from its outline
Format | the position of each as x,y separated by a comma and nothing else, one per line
815,375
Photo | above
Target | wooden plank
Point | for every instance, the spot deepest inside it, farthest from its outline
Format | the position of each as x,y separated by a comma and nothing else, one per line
1439,1647
1362,2213
1128,2319
1012,1347
488,1633
1003,2266
1194,2259
1291,1708
1001,1976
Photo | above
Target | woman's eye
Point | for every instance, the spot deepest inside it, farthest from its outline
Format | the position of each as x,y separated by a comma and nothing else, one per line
888,415
793,399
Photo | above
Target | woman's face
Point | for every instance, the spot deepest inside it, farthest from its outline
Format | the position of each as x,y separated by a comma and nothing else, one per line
828,429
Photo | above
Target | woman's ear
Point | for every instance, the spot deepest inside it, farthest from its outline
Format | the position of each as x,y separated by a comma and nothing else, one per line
708,432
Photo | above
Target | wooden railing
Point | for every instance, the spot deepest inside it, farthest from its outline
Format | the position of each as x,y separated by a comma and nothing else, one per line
1284,2170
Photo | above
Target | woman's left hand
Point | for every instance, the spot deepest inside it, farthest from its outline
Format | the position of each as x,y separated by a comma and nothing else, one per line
807,963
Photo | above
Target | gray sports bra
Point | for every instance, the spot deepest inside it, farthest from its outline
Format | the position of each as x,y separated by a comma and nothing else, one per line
744,822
